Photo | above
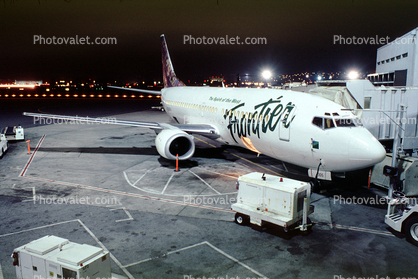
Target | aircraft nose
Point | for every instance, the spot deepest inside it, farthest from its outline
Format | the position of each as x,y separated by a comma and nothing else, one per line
365,151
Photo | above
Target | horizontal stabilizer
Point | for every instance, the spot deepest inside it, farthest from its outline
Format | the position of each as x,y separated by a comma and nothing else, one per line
152,92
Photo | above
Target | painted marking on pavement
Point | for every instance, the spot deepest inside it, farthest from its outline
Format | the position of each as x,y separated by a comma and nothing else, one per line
199,244
207,184
32,157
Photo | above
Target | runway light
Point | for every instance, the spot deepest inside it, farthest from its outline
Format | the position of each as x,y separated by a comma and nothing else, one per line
6,95
67,95
36,95
107,96
91,96
100,96
141,96
58,95
43,95
52,95
353,75
28,95
21,95
149,96
75,95
133,96
124,96
116,96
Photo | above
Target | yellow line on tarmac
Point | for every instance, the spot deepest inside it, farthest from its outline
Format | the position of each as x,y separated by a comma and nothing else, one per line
260,166
206,142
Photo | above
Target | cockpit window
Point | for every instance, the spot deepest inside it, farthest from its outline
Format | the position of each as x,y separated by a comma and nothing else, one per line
323,123
317,121
345,122
328,123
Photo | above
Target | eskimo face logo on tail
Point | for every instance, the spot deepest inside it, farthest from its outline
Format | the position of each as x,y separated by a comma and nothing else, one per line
266,117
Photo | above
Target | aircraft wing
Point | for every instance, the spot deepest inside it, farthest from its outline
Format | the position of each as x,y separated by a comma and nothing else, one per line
201,129
152,92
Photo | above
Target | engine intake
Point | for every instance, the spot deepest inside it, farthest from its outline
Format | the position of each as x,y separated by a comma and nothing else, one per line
170,142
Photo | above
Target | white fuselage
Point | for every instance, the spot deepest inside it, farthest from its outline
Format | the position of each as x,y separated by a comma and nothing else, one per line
279,124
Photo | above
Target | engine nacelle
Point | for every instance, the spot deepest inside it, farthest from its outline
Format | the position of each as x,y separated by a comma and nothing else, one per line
170,142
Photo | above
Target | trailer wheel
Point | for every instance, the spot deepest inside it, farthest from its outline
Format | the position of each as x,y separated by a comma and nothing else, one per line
309,228
241,219
411,230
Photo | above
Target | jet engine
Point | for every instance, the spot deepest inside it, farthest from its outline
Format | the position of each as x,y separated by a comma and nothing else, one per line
170,142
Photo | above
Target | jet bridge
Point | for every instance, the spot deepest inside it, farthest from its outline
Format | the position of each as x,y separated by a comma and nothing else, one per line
377,107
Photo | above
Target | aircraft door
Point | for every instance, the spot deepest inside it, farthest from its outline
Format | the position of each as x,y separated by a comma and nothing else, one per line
284,133
284,125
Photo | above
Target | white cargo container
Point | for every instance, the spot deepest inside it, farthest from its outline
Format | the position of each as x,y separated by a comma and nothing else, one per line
52,257
266,198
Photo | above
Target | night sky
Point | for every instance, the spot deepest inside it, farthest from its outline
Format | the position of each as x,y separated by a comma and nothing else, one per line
299,36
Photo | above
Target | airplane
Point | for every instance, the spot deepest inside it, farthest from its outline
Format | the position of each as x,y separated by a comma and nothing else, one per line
294,127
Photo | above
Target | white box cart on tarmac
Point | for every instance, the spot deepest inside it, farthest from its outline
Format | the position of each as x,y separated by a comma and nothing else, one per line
52,257
4,145
264,199
13,133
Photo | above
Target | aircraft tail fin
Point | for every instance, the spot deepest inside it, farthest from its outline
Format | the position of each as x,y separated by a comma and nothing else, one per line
169,76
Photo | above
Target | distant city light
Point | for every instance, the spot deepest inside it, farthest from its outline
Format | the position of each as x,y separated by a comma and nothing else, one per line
353,75
319,78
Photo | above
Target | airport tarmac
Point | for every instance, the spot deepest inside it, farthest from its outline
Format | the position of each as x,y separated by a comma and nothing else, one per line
106,185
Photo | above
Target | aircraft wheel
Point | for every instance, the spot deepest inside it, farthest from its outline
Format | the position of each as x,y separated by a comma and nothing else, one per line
411,230
315,186
2,153
241,219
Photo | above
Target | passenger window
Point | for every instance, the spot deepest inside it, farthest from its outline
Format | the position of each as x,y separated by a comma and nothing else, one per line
317,121
328,123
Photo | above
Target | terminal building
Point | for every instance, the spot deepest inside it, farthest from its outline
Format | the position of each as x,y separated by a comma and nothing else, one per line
397,62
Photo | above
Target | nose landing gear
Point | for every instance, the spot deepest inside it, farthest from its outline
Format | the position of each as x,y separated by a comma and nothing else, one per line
315,183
